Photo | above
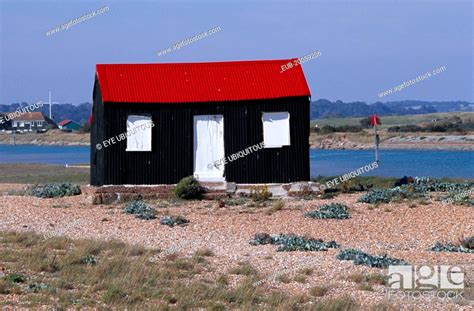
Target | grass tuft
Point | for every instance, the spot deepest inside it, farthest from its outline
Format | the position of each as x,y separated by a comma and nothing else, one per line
319,290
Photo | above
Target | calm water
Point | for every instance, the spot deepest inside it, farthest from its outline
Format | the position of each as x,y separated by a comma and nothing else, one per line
44,154
395,163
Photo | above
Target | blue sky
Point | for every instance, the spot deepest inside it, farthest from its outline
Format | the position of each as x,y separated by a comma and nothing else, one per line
366,46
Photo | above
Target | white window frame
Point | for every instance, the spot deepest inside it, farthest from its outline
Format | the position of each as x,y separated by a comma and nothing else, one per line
271,137
135,131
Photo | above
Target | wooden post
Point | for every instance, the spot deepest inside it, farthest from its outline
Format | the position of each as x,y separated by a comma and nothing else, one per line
377,141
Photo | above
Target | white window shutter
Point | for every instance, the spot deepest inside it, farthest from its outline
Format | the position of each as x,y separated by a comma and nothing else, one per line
276,129
139,133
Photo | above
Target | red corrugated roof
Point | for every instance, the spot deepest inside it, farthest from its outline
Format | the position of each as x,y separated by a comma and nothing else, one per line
30,116
200,82
64,122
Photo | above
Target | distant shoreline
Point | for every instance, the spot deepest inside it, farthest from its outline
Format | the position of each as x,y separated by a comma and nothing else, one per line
408,141
469,148
65,144
333,141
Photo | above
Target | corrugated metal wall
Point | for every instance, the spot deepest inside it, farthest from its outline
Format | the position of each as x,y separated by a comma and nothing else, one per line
171,157
97,135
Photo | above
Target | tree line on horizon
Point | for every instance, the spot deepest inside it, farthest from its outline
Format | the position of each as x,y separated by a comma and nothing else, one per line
321,108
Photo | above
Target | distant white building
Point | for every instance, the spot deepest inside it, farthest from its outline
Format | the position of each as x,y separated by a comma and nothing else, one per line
31,121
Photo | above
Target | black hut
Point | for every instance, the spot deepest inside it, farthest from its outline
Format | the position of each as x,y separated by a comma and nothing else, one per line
157,123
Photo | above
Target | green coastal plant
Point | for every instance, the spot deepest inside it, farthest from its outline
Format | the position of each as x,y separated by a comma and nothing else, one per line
361,258
174,221
291,242
140,209
37,287
450,247
14,278
188,188
327,211
88,260
385,195
419,189
260,194
54,190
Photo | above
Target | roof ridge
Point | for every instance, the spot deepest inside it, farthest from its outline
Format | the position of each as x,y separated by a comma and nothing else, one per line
201,81
243,62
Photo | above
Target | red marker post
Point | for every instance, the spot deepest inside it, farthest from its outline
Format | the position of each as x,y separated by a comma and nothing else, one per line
374,121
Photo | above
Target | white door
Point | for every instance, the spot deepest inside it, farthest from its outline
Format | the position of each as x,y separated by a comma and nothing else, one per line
208,147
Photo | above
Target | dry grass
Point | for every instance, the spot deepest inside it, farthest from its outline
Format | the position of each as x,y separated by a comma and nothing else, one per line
244,268
284,278
319,290
59,262
300,279
204,252
366,281
277,205
121,277
42,173
54,272
306,271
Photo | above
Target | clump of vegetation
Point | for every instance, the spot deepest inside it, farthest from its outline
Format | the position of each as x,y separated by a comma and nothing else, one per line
14,278
61,206
405,128
235,201
357,184
188,188
54,190
327,211
453,124
418,189
140,209
404,180
342,303
260,194
36,287
319,290
283,278
204,252
387,195
361,258
459,197
88,260
244,268
277,205
290,242
114,295
427,184
305,192
328,195
173,221
466,247
367,280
